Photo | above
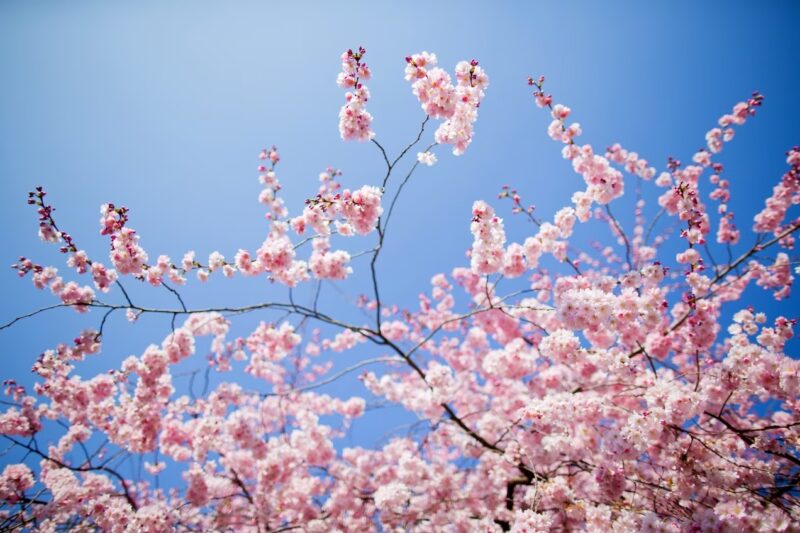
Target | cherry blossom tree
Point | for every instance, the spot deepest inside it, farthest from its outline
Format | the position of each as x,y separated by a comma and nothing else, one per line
603,390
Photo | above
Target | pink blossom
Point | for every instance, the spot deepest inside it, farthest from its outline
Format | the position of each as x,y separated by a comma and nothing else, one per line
354,120
126,254
426,158
489,238
325,264
361,208
14,481
456,104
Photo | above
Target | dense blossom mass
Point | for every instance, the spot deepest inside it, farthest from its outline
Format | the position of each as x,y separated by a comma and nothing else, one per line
556,388
354,119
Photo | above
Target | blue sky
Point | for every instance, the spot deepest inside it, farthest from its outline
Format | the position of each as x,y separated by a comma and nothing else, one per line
163,107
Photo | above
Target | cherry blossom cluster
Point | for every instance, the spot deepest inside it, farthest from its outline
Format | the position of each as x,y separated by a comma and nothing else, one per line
784,195
349,212
631,161
604,183
69,292
456,104
355,122
269,196
487,249
427,158
727,232
78,260
516,259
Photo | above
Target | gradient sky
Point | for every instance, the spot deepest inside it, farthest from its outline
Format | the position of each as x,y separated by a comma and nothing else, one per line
163,107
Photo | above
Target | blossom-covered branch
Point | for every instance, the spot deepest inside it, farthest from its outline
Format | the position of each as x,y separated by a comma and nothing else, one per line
558,385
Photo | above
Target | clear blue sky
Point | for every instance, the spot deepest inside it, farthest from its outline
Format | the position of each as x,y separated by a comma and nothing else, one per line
163,107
